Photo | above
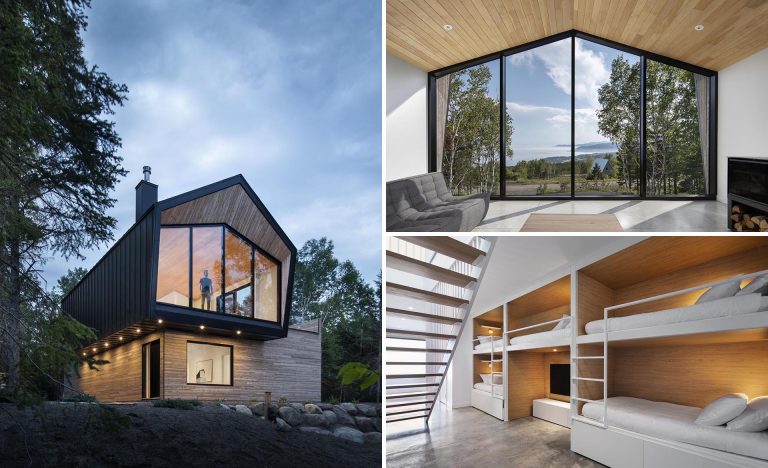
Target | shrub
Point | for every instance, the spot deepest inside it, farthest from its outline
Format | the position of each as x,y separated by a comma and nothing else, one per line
176,404
333,399
81,397
282,401
307,402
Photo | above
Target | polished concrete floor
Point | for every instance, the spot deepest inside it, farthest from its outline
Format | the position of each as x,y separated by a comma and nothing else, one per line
468,437
633,215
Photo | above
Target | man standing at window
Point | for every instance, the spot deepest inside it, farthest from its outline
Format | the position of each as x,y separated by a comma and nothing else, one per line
206,289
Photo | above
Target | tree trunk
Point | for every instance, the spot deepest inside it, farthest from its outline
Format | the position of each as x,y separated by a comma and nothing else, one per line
10,313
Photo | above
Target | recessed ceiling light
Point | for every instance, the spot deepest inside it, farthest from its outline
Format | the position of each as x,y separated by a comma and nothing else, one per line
447,27
94,350
238,332
121,338
138,330
83,354
202,327
159,320
699,27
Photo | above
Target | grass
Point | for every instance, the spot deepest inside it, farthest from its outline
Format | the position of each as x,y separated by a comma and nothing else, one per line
176,404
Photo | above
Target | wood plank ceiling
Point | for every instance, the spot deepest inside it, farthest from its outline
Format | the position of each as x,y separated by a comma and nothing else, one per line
733,29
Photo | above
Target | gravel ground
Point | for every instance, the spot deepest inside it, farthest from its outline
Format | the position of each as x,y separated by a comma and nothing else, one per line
85,435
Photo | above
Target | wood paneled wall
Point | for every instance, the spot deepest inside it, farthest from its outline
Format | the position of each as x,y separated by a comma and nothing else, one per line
120,380
593,297
539,317
690,375
289,366
525,382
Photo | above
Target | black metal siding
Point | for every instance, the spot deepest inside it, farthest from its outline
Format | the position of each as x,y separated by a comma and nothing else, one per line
116,292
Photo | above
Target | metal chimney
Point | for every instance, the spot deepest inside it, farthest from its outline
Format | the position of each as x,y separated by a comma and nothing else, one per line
146,194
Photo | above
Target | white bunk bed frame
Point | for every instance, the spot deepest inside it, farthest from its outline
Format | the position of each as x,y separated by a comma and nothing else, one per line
620,448
492,404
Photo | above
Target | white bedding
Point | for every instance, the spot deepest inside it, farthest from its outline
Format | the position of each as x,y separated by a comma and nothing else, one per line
498,345
497,389
676,422
736,305
564,335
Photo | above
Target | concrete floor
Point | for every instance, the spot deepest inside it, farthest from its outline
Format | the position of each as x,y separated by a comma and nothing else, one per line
468,437
633,215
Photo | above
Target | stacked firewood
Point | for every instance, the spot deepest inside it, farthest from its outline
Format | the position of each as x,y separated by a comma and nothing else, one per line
747,222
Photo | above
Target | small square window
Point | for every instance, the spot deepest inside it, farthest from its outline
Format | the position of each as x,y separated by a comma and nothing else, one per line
209,364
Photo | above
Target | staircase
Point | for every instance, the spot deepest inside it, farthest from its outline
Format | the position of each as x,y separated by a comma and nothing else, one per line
431,282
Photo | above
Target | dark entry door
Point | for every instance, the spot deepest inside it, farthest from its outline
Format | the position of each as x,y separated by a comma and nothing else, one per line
150,370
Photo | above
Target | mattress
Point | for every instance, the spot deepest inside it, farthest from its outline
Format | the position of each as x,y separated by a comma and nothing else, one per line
498,345
735,305
676,422
564,335
497,389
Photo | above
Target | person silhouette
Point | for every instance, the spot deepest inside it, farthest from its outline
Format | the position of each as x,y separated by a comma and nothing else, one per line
206,289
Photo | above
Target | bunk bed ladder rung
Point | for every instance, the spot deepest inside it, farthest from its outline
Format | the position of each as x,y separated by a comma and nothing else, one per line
588,357
588,379
585,400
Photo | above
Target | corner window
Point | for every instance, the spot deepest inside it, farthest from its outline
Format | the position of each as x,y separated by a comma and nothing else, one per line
209,364
215,269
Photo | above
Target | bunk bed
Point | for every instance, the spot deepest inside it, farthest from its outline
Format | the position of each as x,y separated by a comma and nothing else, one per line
621,430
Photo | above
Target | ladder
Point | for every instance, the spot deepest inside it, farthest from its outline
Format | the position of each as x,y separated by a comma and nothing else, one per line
431,282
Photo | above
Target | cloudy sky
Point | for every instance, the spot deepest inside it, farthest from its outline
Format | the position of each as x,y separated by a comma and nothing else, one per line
286,93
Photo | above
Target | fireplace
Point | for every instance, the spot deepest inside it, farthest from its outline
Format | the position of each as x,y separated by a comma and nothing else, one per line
748,194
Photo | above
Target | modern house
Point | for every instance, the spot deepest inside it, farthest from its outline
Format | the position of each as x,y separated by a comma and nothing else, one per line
604,166
194,301
510,99
589,351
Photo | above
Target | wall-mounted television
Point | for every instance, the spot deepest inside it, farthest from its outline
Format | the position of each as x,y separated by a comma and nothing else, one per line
560,379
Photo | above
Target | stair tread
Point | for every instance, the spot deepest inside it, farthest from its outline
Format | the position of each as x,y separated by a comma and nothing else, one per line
419,350
406,419
447,246
410,395
399,331
414,385
411,403
396,289
428,270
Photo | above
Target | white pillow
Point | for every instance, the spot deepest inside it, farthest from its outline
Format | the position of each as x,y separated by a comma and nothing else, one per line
720,291
722,410
485,338
498,379
757,285
754,418
486,378
564,322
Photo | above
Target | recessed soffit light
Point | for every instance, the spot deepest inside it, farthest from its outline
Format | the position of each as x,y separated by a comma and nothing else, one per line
448,27
699,27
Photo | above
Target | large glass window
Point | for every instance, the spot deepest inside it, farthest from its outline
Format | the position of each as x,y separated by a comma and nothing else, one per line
209,364
468,131
607,130
581,119
677,105
173,267
538,95
228,274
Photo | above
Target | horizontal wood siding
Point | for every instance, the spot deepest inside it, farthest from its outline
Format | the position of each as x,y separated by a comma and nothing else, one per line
115,293
288,366
120,380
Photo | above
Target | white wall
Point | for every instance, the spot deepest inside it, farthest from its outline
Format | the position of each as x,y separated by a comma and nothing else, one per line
406,119
742,106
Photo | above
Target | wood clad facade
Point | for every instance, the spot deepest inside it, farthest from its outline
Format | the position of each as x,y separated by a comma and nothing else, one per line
288,366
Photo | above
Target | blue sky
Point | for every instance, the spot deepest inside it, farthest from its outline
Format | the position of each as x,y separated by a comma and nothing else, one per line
286,93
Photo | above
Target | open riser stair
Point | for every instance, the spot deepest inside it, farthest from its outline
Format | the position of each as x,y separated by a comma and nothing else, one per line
431,282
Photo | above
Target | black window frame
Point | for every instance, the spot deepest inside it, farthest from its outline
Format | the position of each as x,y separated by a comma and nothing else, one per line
254,249
231,363
574,34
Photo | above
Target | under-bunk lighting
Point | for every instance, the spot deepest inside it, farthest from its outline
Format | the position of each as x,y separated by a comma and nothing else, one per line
555,350
699,27
448,27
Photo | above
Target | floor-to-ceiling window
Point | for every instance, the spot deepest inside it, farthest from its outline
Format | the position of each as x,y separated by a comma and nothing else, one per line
467,128
583,117
538,102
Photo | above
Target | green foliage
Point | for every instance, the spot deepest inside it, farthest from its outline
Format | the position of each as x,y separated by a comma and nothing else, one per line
332,399
111,420
307,402
177,404
358,373
282,401
67,283
348,308
471,147
81,398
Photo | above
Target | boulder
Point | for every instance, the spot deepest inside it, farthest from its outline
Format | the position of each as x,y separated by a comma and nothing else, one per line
365,424
297,406
342,417
312,409
314,420
315,430
282,426
289,415
372,438
349,408
377,423
348,433
226,407
258,409
367,410
243,409
325,406
330,416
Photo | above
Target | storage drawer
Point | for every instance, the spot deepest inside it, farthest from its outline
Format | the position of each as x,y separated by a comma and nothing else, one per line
605,446
663,456
485,402
554,411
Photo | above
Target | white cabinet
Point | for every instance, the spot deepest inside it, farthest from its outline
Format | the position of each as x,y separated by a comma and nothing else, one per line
555,411
484,401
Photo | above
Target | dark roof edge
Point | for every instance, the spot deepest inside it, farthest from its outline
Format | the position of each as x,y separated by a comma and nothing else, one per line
106,254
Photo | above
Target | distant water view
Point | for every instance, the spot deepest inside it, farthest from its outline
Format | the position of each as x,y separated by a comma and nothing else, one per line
531,153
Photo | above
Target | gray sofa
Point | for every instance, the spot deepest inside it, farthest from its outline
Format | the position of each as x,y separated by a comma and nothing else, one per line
424,203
